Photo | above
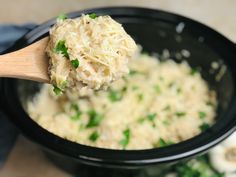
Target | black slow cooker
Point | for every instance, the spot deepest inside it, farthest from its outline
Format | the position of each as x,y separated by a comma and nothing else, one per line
156,31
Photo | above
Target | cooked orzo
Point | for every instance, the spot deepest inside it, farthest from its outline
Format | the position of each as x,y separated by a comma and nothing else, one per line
156,104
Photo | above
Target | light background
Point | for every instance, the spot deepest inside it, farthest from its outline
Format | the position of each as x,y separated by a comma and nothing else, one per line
26,160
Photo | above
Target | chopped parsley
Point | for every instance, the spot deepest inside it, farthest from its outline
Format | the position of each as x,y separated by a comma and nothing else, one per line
193,71
179,90
63,85
198,167
74,107
93,15
162,143
167,108
61,48
134,72
171,84
204,126
140,97
75,63
94,119
77,114
144,52
124,89
180,114
157,88
125,79
166,122
141,120
57,90
126,137
151,117
94,136
135,87
62,17
209,103
201,114
115,96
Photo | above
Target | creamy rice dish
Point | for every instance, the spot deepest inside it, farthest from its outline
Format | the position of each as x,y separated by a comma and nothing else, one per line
89,51
155,105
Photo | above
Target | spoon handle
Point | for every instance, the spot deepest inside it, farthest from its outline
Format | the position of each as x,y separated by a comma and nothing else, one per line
30,63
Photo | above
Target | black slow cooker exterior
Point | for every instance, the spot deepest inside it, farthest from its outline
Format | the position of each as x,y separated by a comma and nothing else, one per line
156,31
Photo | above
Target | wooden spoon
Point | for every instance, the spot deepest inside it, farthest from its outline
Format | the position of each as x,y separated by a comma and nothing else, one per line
30,63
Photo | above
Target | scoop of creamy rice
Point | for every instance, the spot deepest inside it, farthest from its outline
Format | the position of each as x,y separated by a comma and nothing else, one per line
155,105
88,52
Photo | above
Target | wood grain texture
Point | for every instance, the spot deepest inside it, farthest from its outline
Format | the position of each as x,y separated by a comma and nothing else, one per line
30,63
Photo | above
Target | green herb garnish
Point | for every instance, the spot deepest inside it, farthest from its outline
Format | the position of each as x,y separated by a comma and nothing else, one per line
62,17
201,114
179,90
78,113
162,143
115,95
140,97
93,15
151,117
135,87
124,89
76,116
126,137
61,48
198,167
167,108
180,114
209,103
194,71
141,120
157,88
74,107
75,63
204,127
171,84
94,136
57,90
134,72
94,119
63,85
166,122
144,52
125,79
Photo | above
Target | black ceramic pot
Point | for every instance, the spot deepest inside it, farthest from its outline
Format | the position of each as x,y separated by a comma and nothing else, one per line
155,31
